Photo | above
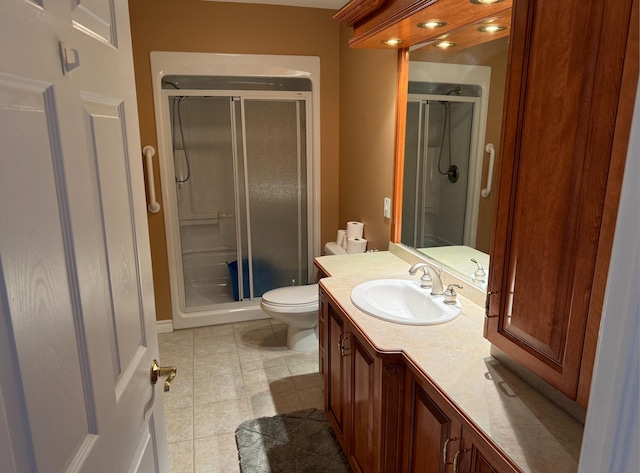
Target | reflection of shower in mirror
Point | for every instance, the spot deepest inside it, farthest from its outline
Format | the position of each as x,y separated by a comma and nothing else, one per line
443,158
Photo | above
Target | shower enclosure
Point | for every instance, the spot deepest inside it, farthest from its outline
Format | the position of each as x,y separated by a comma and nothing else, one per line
439,203
237,187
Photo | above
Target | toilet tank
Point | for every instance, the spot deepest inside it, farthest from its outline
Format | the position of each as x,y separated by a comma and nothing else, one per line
332,248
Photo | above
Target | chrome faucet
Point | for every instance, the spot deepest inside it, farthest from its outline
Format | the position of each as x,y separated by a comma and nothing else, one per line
430,279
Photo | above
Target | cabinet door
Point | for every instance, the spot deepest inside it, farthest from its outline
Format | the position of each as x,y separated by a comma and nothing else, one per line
336,375
364,428
566,63
477,456
431,436
322,332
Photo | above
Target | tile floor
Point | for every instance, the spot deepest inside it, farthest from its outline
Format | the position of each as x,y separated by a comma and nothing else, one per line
228,374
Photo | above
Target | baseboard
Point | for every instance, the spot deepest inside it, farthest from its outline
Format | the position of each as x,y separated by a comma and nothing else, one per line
164,326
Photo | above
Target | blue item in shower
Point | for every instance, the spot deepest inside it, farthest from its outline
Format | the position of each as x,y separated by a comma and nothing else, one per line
233,273
263,278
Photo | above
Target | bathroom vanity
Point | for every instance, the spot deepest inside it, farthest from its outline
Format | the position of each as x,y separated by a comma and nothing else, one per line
428,398
570,83
435,398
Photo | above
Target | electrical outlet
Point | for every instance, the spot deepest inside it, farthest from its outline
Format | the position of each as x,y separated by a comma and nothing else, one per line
387,207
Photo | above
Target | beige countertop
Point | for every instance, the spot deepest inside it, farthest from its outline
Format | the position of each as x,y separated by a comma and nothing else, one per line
530,429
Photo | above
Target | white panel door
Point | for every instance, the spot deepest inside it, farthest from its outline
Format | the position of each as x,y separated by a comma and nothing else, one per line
77,315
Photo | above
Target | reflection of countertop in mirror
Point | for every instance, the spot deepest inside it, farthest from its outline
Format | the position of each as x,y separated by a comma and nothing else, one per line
533,431
458,258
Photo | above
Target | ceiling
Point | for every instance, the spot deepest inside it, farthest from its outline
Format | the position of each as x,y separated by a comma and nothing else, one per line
328,4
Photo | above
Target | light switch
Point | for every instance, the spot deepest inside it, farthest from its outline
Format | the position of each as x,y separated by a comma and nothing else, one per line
387,207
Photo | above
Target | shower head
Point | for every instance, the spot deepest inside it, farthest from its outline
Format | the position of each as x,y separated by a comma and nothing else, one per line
456,91
173,84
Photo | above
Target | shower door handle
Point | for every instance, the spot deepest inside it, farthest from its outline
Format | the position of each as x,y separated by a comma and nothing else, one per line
154,206
492,155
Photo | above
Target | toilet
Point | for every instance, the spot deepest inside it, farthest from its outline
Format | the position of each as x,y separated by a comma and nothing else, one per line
297,306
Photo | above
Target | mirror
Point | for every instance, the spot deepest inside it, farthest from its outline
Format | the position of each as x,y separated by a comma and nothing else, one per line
453,125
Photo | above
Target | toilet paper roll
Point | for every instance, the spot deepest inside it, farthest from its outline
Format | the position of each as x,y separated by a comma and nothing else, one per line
355,230
356,245
342,238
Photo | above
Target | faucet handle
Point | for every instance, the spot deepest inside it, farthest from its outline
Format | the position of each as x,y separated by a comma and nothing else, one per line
450,294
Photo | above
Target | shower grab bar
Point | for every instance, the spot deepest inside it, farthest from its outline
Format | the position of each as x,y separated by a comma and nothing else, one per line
492,155
154,206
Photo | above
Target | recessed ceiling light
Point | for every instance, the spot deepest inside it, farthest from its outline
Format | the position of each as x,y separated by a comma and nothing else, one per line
444,44
432,24
492,28
392,42
485,2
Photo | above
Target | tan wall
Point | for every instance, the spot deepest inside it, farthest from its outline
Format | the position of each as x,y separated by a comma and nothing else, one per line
197,26
494,55
367,129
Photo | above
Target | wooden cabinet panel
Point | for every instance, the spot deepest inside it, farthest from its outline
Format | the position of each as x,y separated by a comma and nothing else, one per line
438,439
322,333
362,441
431,434
335,378
560,118
477,456
364,394
481,465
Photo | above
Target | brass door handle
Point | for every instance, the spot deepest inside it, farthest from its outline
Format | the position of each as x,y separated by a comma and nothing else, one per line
158,371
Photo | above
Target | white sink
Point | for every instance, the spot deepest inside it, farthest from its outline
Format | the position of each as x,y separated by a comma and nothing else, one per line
403,302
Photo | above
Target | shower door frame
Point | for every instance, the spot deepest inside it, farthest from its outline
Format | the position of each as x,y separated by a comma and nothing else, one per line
210,64
468,75
472,200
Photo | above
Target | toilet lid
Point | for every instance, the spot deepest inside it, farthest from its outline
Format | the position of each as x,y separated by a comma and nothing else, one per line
292,295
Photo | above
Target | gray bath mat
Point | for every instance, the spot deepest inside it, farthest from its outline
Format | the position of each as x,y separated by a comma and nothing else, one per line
299,442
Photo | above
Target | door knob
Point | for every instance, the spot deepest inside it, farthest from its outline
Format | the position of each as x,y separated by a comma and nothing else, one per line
162,371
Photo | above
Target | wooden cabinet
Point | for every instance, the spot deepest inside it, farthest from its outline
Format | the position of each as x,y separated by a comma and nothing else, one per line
557,198
438,440
363,393
571,81
387,416
432,435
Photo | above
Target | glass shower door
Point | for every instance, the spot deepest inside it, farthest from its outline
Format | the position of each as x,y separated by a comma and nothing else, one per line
203,151
276,189
240,165
437,159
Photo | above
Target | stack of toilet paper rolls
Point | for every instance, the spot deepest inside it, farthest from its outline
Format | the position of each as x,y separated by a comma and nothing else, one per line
352,239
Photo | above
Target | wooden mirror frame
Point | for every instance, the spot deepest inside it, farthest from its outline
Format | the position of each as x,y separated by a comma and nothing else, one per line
402,94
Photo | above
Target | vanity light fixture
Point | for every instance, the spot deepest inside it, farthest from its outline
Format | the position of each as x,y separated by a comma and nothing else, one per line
485,2
444,44
392,42
492,28
432,24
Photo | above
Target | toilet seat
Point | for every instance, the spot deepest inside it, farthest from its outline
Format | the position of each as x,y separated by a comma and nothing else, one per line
292,299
